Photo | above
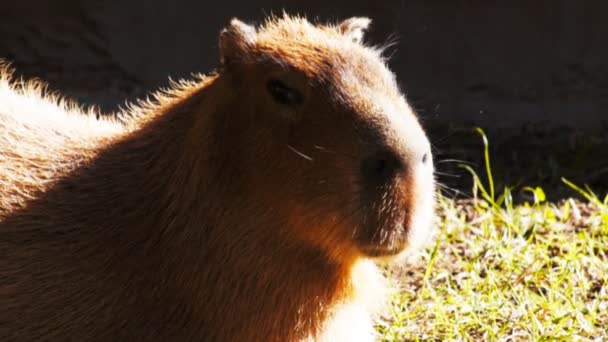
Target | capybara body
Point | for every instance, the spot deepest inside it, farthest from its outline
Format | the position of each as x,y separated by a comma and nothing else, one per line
243,206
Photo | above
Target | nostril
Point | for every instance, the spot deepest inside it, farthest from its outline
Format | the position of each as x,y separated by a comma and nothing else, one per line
425,158
380,167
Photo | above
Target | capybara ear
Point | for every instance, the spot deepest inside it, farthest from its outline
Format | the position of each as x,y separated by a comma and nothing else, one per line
355,27
235,39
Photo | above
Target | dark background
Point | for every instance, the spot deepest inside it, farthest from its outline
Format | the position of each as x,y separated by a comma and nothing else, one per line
534,74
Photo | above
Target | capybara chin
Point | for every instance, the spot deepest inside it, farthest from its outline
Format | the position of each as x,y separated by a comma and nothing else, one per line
248,205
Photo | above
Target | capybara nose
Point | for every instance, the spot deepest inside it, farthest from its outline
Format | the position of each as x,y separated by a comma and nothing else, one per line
381,167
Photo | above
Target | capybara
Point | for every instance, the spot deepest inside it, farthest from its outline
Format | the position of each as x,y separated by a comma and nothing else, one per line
248,205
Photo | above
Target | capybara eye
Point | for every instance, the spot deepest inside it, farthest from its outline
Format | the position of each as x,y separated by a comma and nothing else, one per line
283,94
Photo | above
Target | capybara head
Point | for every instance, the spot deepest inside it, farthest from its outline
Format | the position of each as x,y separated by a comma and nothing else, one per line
330,151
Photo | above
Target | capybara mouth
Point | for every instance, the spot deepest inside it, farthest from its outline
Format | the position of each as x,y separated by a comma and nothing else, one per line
384,241
382,251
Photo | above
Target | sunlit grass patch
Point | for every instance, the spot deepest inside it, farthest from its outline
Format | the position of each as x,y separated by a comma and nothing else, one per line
499,271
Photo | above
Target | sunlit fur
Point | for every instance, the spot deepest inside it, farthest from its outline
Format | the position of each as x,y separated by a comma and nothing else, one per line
211,212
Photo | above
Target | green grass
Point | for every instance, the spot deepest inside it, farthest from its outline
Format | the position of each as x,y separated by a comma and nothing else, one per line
499,271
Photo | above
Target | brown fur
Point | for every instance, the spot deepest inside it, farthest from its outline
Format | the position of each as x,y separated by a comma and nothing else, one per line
211,213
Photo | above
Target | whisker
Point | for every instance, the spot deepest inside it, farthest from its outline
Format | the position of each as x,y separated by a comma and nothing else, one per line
300,153
446,174
321,148
454,191
455,161
439,140
326,150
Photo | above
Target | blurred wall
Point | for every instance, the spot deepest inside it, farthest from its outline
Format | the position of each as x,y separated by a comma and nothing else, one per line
466,62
